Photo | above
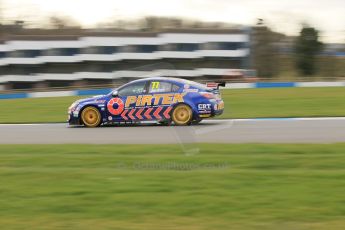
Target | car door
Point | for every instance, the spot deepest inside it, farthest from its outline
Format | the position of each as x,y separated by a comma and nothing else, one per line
123,106
163,97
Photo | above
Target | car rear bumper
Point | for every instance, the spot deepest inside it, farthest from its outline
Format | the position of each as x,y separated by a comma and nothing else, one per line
218,112
216,109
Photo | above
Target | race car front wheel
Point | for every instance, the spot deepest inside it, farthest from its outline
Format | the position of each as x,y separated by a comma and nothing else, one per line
182,114
91,117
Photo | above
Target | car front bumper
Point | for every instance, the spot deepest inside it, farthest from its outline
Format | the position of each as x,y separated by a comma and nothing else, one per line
73,119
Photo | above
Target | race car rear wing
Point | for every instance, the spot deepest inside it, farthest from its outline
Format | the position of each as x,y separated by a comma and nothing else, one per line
215,85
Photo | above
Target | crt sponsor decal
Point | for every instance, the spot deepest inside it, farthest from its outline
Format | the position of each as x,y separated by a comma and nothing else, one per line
204,106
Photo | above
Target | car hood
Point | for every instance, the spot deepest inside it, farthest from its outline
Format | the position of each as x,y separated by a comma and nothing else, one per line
98,98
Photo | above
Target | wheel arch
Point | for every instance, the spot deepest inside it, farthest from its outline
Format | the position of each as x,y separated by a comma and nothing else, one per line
192,106
183,103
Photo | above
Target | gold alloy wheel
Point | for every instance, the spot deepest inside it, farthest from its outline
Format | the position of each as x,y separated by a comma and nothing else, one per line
182,115
91,117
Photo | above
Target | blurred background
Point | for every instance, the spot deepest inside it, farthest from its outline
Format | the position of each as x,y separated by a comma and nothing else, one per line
53,45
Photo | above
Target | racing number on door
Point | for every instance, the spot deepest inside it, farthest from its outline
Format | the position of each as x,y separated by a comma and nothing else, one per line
154,85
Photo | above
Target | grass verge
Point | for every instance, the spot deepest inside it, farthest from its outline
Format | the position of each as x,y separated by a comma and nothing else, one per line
265,186
239,103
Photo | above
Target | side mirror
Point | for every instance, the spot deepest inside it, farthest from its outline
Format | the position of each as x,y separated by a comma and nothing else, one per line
115,93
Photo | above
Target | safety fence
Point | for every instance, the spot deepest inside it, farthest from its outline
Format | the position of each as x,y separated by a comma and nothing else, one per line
84,92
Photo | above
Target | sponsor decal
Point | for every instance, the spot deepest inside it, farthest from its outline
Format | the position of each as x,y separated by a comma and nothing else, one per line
97,102
204,109
156,99
123,115
131,114
191,90
212,85
166,113
204,115
110,118
156,113
115,106
138,114
205,112
204,106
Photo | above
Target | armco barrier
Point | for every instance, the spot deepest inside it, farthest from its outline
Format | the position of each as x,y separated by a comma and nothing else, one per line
92,92
274,84
13,96
282,85
84,92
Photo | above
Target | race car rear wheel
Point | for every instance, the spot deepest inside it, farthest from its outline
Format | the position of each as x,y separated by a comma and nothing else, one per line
182,114
91,117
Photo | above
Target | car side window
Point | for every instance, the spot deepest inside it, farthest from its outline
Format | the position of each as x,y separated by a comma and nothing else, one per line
160,87
133,89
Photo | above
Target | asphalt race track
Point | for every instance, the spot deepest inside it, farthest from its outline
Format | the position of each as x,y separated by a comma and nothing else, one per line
302,130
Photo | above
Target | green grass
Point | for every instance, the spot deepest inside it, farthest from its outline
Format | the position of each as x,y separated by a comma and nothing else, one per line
239,103
284,102
256,186
50,109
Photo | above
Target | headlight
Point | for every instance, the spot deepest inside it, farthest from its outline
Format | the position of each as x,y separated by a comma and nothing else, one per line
72,107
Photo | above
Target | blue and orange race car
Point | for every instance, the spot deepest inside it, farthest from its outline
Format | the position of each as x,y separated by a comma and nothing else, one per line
160,99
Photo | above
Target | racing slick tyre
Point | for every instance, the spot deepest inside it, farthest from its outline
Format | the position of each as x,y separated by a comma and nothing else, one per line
182,115
91,117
